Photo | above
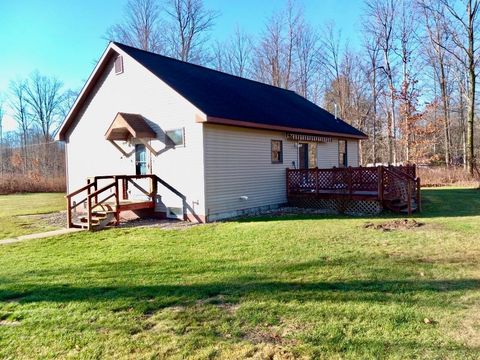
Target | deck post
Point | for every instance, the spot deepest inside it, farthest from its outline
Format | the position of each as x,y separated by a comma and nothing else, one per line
317,182
380,183
89,212
350,182
117,201
409,197
288,182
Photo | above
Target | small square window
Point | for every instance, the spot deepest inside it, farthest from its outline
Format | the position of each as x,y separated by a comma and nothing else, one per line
118,65
176,137
277,152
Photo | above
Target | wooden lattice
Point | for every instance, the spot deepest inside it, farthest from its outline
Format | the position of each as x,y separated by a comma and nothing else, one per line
353,207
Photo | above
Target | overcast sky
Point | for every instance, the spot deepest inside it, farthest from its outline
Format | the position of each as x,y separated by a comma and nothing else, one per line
64,37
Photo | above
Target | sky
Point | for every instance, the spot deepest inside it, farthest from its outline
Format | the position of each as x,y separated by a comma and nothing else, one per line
63,38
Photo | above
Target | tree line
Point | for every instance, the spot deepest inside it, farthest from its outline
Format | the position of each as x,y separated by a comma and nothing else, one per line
410,84
30,160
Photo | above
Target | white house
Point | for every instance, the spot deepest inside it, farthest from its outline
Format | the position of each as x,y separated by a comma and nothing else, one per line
221,144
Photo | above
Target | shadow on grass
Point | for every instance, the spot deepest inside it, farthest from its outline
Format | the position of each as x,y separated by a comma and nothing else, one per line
436,202
147,297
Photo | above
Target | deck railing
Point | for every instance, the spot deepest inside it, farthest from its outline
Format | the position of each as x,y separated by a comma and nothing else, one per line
380,183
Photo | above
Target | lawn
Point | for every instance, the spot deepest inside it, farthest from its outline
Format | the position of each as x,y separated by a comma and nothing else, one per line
14,208
293,287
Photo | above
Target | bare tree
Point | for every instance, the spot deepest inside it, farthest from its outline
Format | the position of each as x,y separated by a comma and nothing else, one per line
372,51
239,52
19,105
307,52
43,95
141,27
380,25
461,25
276,50
190,24
433,18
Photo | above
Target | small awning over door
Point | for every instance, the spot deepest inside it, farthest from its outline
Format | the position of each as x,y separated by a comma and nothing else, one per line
126,126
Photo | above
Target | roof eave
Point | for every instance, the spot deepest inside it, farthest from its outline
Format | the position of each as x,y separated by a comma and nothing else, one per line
255,125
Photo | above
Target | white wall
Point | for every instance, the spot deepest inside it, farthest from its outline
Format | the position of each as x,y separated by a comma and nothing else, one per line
138,91
327,156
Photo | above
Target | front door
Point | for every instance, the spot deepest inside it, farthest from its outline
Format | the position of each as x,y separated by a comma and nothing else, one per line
303,156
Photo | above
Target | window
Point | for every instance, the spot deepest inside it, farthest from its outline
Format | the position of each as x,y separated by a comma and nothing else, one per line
118,65
342,153
176,137
277,152
140,160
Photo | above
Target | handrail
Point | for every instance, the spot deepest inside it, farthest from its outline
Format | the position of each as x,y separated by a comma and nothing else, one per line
82,189
99,191
408,187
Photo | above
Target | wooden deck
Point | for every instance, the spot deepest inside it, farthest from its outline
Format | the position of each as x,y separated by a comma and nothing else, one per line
391,186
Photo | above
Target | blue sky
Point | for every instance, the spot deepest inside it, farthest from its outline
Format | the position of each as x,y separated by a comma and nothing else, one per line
64,37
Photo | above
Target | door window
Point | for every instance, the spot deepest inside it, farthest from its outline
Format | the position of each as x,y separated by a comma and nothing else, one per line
303,156
140,159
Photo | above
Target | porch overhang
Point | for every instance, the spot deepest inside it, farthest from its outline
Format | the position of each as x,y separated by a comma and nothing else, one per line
127,126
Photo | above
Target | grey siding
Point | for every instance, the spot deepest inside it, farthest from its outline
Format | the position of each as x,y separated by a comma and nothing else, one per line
238,163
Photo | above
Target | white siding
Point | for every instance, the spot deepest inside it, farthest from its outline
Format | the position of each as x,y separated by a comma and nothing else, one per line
352,153
238,163
327,156
328,153
138,91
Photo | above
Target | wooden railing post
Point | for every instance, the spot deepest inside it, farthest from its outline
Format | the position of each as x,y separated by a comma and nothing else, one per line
380,183
419,196
117,201
89,212
317,182
288,182
350,181
69,212
409,197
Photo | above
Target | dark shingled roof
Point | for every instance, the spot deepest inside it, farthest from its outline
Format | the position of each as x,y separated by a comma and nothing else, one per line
226,96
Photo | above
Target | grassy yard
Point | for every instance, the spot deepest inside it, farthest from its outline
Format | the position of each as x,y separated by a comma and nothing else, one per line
312,287
14,208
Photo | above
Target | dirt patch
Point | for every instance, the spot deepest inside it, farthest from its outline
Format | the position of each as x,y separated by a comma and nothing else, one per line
55,220
167,224
404,224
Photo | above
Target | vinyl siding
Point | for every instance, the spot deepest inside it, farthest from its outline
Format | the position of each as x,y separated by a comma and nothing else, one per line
238,163
352,151
138,91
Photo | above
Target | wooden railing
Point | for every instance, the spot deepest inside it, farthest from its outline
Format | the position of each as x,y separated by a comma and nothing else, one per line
383,183
119,185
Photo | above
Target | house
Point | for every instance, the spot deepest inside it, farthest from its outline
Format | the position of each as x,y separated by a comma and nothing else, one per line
186,141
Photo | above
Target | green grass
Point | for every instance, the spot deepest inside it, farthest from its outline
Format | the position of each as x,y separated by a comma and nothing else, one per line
14,207
306,287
